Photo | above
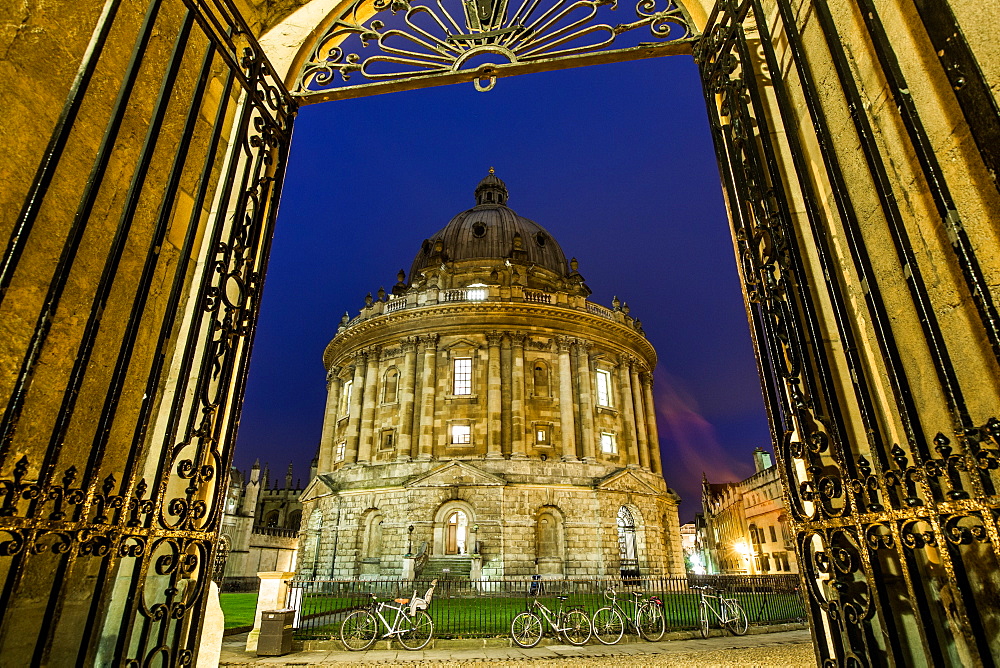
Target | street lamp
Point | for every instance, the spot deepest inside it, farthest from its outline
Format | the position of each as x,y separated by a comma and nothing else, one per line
409,541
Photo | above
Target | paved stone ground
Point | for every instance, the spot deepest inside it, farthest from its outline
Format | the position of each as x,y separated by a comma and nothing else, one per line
785,649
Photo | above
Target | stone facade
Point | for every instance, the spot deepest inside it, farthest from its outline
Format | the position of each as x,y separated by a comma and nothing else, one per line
260,526
744,527
489,386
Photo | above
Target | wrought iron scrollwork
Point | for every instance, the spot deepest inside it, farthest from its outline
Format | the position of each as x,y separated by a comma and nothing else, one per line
382,40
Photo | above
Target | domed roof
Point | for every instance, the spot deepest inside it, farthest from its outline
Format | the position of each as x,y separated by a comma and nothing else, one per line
491,231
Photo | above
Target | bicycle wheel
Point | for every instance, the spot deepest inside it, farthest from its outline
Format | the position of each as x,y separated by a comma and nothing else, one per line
609,626
358,630
651,621
576,629
736,618
526,629
703,619
416,631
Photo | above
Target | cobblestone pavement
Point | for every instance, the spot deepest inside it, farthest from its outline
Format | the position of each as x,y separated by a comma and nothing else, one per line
786,649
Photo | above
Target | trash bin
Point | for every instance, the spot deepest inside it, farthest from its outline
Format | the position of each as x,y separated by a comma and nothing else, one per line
275,632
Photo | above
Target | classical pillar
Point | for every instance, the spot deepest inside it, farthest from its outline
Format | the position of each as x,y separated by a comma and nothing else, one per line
566,400
326,444
354,408
640,418
493,398
628,414
586,399
405,441
428,387
368,405
654,435
517,449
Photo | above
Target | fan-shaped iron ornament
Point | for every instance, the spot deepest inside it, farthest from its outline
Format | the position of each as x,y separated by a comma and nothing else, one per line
398,44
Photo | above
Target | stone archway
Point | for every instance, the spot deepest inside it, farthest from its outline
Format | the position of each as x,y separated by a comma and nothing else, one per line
454,522
859,167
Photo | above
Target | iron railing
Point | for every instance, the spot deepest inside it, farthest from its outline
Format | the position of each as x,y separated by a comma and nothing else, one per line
463,608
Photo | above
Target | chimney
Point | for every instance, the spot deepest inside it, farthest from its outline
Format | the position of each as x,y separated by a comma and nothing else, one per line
761,460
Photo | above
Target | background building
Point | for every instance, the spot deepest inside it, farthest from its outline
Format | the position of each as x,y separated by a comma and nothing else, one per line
260,527
485,414
744,527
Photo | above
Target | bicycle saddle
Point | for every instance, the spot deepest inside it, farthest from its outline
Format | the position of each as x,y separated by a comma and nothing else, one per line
402,601
562,598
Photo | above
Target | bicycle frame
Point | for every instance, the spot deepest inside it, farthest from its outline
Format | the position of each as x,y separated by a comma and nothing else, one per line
717,609
548,615
393,628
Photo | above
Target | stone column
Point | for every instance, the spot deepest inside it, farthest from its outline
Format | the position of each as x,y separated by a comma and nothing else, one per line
566,400
628,413
654,434
406,399
272,595
428,391
640,417
354,409
493,398
368,405
517,449
326,441
586,400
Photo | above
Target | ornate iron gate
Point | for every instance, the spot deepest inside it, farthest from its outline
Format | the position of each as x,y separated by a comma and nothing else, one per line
129,289
897,539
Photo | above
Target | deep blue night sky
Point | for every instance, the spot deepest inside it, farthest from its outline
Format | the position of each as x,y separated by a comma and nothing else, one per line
615,161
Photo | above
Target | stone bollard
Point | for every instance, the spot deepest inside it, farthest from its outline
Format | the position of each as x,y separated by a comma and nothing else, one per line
409,568
271,596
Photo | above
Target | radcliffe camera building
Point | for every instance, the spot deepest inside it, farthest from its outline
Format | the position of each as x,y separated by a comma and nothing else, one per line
489,419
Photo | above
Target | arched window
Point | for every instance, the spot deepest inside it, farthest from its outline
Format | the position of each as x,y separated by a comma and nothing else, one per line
345,397
627,547
456,528
391,384
294,520
540,378
271,519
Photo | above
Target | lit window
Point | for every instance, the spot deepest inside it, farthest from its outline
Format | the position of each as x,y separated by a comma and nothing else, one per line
461,433
608,445
463,375
341,450
476,292
603,387
348,386
542,434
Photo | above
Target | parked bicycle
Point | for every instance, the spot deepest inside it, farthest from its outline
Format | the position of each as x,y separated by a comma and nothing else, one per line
646,618
572,624
727,611
410,625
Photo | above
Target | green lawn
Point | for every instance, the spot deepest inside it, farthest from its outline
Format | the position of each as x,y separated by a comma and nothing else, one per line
491,615
238,608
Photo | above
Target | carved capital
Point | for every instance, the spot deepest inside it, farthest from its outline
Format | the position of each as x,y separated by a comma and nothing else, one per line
409,343
332,376
494,338
517,339
430,341
564,343
583,346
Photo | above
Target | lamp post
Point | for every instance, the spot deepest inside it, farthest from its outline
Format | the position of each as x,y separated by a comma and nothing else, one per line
409,541
475,539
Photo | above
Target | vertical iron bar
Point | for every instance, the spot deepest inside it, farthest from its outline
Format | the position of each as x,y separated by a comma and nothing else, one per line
974,94
12,414
933,175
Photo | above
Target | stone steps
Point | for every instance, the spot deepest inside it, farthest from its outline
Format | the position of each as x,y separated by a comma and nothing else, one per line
458,567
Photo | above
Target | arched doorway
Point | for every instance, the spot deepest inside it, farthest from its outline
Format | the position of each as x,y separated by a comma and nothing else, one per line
454,529
628,546
870,299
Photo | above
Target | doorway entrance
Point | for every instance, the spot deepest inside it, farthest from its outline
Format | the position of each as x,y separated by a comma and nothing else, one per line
456,533
858,153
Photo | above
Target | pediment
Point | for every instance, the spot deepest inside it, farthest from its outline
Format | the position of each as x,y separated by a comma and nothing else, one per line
462,344
626,481
318,487
455,473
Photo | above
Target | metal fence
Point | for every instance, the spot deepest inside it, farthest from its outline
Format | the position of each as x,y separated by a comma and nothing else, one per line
462,608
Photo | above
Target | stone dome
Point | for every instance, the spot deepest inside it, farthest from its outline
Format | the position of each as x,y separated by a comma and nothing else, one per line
491,231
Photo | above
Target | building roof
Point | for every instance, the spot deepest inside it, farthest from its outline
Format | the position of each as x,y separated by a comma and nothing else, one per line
491,231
